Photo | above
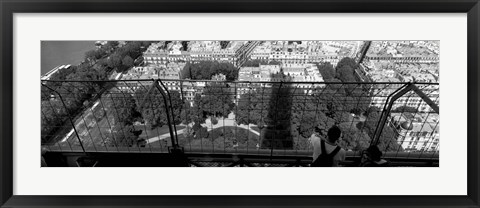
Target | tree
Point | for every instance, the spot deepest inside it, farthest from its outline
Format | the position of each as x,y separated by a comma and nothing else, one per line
133,49
196,113
345,70
347,61
165,44
185,73
53,116
372,110
62,74
185,45
214,120
258,62
306,116
188,131
323,110
186,114
370,123
122,106
387,139
111,44
217,100
326,70
99,113
127,61
301,143
201,133
79,92
114,61
360,99
224,44
122,136
152,106
95,54
90,55
353,139
346,74
332,100
252,107
204,70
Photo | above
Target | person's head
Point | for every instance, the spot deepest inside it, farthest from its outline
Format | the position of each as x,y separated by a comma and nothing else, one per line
374,153
334,134
317,131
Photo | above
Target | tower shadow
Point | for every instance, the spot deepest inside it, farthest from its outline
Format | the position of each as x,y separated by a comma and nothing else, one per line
277,132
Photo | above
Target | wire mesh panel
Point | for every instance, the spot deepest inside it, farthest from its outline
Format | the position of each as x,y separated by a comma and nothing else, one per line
215,116
412,125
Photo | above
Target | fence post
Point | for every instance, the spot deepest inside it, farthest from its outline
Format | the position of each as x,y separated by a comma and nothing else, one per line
171,110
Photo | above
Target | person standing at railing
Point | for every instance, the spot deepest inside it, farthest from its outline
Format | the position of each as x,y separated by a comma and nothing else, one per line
372,157
326,152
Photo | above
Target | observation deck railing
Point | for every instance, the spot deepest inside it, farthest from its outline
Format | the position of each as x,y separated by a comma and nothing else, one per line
268,119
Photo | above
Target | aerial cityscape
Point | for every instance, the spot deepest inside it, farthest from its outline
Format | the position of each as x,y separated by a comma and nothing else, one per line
240,103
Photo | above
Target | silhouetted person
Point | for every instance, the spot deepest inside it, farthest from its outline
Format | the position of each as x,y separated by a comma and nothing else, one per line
43,161
372,157
326,152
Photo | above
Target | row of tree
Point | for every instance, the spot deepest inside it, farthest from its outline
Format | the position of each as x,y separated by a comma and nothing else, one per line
119,110
300,113
151,106
205,70
217,101
258,62
97,66
290,117
145,105
344,71
123,58
286,116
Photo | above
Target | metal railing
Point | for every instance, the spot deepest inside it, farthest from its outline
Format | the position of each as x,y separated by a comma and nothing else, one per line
256,118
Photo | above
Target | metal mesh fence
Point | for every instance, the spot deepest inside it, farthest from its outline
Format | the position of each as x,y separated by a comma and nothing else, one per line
276,118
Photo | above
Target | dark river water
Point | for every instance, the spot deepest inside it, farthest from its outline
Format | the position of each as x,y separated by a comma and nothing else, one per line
55,53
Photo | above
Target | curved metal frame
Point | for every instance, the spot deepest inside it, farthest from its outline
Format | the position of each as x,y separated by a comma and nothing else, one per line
389,104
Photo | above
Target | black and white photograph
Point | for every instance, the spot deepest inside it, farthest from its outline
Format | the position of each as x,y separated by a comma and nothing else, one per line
240,103
265,103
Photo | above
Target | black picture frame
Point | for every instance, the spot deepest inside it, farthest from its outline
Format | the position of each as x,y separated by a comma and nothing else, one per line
9,7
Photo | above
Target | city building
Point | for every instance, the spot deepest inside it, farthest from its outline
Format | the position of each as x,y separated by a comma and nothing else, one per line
404,51
302,73
188,91
235,52
416,131
403,61
156,54
386,87
304,52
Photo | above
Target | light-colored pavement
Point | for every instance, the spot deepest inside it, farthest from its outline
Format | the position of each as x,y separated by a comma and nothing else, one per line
229,121
91,123
79,121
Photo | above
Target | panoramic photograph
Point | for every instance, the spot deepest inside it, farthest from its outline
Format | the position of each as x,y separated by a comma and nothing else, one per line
231,103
